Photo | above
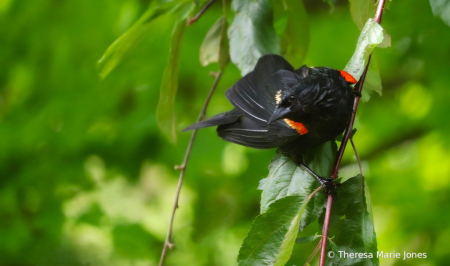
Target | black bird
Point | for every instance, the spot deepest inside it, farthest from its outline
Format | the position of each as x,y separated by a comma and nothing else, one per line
279,107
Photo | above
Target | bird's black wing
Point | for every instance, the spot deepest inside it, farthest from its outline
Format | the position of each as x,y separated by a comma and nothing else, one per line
245,131
254,99
254,96
255,93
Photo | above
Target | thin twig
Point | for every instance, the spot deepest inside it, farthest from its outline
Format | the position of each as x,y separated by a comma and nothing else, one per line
314,192
168,243
194,19
344,142
320,242
313,253
357,156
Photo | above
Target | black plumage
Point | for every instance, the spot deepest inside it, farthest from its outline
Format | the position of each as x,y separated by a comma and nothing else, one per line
279,107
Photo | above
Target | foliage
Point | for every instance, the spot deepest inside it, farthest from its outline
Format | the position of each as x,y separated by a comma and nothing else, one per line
291,25
371,36
215,47
361,11
251,34
87,176
285,206
271,239
441,8
169,84
264,245
117,50
351,224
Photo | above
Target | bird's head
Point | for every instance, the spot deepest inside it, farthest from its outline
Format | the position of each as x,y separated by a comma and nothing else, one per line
316,97
288,103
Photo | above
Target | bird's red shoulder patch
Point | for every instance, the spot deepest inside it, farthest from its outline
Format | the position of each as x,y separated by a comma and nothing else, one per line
301,129
349,78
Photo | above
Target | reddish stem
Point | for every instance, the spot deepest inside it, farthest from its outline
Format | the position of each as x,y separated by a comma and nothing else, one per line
348,132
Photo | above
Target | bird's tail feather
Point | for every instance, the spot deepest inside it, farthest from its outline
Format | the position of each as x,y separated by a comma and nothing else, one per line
220,119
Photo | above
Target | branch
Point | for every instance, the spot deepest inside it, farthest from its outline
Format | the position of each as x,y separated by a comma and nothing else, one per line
168,243
314,193
348,132
194,19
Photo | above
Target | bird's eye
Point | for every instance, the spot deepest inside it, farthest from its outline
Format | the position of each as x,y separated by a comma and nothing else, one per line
292,98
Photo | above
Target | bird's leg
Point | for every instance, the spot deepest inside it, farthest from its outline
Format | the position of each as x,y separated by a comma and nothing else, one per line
327,183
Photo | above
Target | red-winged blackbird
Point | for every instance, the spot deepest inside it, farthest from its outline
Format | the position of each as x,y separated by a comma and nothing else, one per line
279,107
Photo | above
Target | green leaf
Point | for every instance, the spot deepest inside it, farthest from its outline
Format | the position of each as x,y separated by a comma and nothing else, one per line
272,237
291,25
386,40
286,178
251,34
351,224
215,47
341,137
361,11
372,81
441,8
123,45
321,160
308,239
333,246
165,111
371,35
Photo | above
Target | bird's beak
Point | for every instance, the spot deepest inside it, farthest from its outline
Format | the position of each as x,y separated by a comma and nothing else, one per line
279,113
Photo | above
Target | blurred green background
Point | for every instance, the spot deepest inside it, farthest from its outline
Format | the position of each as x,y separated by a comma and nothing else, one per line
86,178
